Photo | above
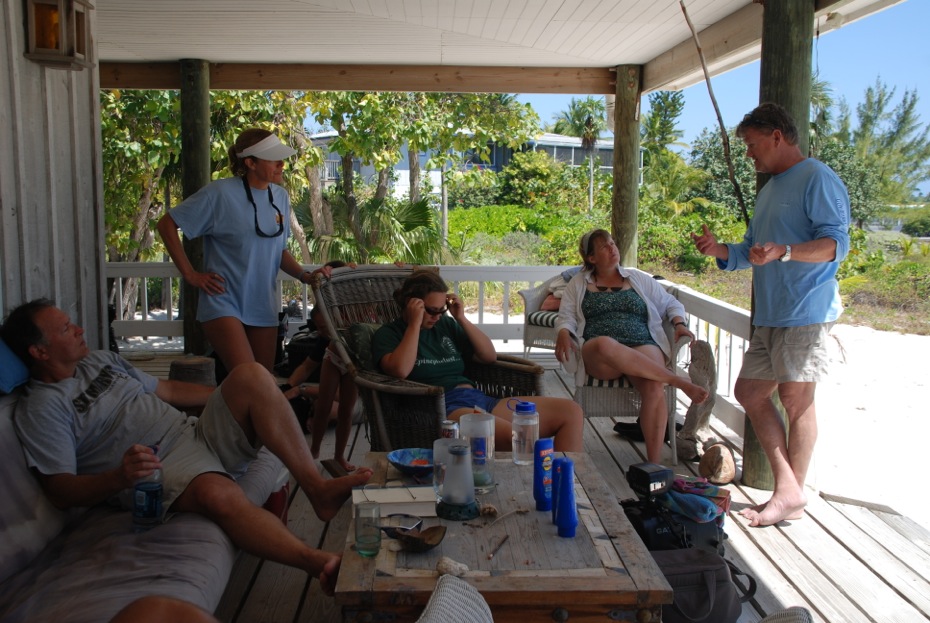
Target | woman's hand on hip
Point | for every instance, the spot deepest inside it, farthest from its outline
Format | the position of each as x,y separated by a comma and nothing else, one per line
211,283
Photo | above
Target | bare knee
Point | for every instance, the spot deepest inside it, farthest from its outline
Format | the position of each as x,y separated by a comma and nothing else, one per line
651,391
162,609
213,495
752,394
569,410
797,401
250,374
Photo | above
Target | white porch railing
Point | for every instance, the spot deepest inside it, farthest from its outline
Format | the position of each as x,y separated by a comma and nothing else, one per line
724,326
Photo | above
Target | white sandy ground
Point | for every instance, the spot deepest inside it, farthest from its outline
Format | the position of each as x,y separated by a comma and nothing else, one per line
873,413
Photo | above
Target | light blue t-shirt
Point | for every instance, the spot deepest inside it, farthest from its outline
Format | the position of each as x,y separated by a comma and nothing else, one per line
806,202
223,215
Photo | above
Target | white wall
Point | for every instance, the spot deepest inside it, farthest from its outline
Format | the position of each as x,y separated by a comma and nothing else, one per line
51,205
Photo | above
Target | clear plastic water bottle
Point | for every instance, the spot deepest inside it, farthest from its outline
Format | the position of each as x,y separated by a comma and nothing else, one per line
146,501
525,430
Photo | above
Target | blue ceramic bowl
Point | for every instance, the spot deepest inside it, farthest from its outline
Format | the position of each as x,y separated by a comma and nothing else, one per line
404,459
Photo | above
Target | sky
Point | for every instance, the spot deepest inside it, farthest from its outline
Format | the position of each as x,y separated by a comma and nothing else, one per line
890,44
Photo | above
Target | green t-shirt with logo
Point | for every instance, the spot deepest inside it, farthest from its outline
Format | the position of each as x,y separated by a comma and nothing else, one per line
441,351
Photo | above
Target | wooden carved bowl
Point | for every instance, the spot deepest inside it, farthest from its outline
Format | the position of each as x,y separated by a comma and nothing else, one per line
415,540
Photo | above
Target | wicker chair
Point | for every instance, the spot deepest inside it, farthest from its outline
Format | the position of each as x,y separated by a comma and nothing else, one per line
617,397
454,599
400,413
538,326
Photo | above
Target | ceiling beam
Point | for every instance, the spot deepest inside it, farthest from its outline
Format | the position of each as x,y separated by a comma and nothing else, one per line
301,77
736,40
726,44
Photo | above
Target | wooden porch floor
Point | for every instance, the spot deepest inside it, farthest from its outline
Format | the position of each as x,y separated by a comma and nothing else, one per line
846,561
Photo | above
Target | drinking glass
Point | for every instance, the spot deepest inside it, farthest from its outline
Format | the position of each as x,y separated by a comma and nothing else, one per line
459,485
367,530
440,460
478,429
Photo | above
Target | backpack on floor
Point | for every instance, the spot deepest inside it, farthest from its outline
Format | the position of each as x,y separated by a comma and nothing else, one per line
703,586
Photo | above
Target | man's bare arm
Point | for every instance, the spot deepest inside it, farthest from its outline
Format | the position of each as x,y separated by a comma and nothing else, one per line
70,490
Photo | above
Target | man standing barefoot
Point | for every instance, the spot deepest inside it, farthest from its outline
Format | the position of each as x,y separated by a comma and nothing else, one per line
798,236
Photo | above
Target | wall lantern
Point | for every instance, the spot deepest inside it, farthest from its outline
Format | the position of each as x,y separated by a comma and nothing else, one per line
58,32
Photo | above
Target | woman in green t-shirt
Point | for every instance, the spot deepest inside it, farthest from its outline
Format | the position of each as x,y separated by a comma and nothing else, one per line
427,346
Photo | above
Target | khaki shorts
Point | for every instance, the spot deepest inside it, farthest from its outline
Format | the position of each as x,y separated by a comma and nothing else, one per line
787,354
213,442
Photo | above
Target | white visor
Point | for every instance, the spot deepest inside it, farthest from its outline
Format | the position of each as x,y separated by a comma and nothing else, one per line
269,148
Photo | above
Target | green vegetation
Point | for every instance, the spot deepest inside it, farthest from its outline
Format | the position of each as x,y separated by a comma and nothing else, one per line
917,223
534,211
585,119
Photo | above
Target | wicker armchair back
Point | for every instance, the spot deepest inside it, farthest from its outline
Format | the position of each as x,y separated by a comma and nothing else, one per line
400,413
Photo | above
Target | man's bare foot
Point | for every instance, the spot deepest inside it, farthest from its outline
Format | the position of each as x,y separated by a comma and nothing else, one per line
777,509
325,567
330,495
345,464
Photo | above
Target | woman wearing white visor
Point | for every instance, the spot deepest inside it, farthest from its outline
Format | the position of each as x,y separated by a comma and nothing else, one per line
245,223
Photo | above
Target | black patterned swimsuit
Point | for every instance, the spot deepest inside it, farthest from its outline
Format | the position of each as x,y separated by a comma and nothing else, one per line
621,315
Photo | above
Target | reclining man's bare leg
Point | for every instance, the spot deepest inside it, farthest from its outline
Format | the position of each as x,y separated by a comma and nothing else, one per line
254,529
259,407
265,415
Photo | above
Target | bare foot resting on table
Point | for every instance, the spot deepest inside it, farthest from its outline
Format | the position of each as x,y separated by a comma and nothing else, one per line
775,510
329,497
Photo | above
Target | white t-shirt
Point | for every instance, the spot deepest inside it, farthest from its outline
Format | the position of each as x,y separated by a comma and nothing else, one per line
84,425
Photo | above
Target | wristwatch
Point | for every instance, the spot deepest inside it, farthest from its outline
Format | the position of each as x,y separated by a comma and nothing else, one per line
787,255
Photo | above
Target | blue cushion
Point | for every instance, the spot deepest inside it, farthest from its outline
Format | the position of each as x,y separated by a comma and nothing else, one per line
12,371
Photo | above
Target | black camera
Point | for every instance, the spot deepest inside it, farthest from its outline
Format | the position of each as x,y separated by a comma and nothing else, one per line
649,480
659,527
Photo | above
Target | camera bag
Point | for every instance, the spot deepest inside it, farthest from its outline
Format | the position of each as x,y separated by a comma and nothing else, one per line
703,586
662,529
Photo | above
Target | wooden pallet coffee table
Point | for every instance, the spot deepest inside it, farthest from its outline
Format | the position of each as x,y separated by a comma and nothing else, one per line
605,573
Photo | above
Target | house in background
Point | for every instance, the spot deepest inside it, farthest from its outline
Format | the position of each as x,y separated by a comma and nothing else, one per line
566,149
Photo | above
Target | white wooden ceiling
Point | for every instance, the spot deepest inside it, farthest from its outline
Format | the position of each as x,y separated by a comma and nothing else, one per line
492,33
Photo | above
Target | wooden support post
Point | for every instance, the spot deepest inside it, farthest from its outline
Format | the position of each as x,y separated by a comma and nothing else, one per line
195,174
624,218
785,78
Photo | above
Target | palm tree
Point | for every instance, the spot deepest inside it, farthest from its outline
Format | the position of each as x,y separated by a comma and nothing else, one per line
393,231
659,127
585,118
670,184
821,119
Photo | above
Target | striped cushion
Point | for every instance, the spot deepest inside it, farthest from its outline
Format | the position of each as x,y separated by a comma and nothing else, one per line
590,381
543,318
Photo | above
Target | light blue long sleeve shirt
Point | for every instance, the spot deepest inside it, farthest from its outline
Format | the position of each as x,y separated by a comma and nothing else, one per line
806,202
